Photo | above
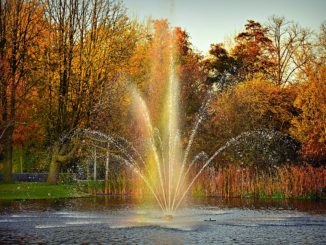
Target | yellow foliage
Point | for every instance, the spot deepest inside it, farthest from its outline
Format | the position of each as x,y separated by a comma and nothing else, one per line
255,104
310,126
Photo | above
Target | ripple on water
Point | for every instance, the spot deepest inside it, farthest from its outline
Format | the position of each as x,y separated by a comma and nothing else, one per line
134,226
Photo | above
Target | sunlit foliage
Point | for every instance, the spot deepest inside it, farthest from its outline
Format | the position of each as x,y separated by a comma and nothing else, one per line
256,104
310,125
73,64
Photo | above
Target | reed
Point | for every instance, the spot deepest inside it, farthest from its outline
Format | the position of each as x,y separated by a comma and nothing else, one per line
288,181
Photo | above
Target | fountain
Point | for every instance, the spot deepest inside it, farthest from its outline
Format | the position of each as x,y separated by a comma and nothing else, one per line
169,168
165,165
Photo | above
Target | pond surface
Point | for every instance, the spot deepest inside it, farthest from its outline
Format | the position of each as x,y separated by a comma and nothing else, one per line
120,220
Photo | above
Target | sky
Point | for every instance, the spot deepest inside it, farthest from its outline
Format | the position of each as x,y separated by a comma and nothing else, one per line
209,21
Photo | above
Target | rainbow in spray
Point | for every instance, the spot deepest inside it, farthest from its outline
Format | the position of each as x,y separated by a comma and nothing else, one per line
162,160
165,169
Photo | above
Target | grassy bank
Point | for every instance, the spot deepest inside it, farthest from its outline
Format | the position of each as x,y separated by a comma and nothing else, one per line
31,190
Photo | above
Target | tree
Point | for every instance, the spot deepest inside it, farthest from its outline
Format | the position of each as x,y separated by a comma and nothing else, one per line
320,54
255,105
220,67
193,88
159,55
252,51
139,67
20,31
291,48
89,41
309,126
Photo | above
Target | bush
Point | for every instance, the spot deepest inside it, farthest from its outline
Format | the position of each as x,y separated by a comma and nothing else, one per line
67,178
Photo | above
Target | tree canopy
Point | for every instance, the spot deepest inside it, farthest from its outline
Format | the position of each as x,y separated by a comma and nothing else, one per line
66,65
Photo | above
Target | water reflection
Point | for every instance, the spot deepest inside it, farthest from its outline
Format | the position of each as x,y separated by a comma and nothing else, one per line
125,202
121,219
313,207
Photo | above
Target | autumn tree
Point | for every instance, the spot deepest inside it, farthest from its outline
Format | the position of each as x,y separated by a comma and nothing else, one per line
249,56
89,41
20,33
255,105
252,50
291,48
159,54
193,87
220,67
170,49
139,64
322,38
320,52
187,61
309,126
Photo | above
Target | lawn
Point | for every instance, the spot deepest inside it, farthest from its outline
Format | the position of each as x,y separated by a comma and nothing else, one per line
33,190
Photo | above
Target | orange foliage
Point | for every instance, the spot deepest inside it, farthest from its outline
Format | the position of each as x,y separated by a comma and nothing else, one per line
310,126
252,105
187,60
286,181
159,53
252,49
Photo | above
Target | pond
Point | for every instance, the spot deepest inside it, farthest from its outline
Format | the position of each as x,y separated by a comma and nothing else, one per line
121,220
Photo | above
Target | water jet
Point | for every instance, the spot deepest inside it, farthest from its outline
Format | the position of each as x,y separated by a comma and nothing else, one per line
163,162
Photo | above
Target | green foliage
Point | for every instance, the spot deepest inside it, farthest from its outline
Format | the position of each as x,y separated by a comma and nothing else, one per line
67,178
310,196
30,190
92,187
278,195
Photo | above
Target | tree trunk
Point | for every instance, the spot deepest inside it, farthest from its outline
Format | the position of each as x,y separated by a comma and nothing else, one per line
87,169
7,171
107,171
7,140
94,166
59,155
54,169
54,165
21,159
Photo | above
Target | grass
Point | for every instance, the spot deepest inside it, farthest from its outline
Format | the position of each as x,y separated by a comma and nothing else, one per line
33,190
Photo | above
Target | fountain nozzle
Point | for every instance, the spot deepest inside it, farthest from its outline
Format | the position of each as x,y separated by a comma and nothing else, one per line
168,217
